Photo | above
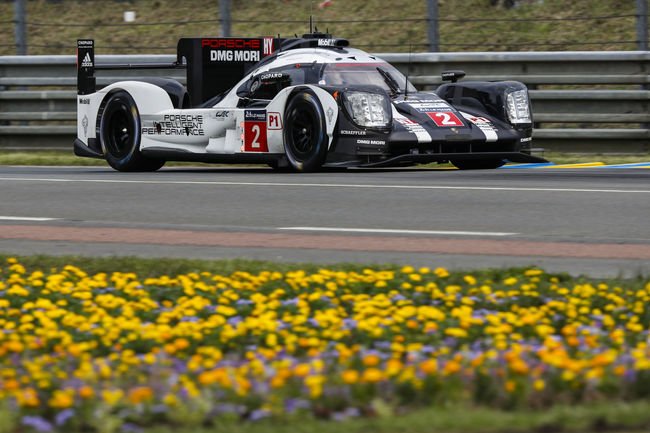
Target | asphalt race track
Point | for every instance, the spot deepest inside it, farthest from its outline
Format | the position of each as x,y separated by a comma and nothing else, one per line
592,220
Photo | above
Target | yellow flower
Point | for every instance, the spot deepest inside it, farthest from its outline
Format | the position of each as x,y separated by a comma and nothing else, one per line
271,340
140,394
62,399
28,397
112,397
470,280
301,370
429,366
372,375
451,367
170,400
568,375
86,392
518,366
456,332
315,385
441,272
14,346
533,272
350,376
181,344
371,360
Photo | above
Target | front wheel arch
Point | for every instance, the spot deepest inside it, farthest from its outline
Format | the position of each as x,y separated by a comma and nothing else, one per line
305,131
119,130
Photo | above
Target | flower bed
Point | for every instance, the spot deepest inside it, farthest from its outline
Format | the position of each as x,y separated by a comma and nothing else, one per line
114,351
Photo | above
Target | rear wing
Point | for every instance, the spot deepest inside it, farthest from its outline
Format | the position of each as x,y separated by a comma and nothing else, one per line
213,65
86,66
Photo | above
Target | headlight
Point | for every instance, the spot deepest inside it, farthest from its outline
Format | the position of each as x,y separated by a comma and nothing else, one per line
518,107
370,110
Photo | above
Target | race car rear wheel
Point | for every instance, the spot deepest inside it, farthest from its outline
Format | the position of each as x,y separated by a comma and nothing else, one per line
478,164
305,135
120,135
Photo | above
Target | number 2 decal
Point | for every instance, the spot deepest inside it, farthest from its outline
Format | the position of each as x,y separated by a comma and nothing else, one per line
445,119
255,137
255,144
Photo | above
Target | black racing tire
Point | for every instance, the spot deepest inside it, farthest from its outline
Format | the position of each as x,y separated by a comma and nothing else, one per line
305,133
478,164
119,130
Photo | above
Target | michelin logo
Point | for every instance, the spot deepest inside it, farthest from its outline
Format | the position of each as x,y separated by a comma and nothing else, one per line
87,63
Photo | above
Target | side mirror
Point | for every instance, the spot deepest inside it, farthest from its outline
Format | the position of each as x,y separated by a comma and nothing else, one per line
452,76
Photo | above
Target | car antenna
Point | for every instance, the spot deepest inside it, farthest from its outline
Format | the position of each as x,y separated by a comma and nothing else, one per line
311,24
408,72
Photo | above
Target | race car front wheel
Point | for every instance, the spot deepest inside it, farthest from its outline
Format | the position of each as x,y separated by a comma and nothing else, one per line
119,129
305,135
478,164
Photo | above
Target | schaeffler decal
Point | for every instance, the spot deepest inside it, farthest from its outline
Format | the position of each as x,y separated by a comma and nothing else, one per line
484,125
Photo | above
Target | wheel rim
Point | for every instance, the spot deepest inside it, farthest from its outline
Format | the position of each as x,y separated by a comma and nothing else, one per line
120,132
303,132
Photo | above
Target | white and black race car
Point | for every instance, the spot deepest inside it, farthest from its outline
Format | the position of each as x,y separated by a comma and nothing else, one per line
300,103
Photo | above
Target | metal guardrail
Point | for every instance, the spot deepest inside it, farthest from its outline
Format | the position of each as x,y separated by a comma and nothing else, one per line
582,101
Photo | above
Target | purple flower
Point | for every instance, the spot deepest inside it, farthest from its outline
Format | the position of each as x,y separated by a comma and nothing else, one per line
229,408
258,414
350,412
293,404
243,302
63,416
234,320
37,423
159,408
293,301
131,428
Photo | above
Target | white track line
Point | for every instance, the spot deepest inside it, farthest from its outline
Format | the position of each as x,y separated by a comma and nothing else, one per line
17,218
396,231
322,185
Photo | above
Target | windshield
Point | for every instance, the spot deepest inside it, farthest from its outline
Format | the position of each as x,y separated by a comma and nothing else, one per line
376,74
